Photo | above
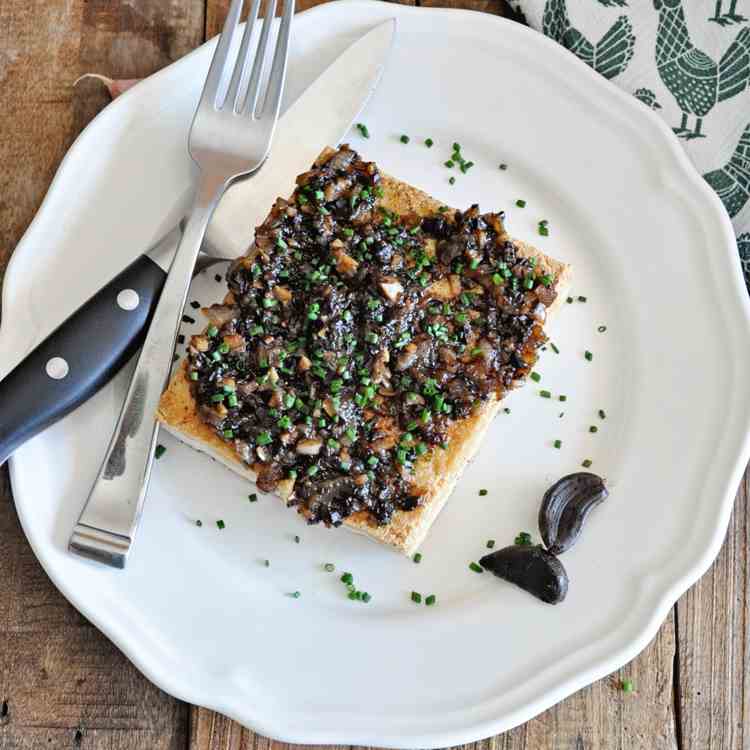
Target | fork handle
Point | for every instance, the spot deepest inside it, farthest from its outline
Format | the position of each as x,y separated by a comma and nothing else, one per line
109,519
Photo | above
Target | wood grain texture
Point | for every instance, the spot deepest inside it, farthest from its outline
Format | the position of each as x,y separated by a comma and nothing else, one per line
63,685
714,663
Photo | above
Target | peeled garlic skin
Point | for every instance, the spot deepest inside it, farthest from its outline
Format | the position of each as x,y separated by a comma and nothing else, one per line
532,568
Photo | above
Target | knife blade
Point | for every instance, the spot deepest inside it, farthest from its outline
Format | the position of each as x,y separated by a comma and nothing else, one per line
83,354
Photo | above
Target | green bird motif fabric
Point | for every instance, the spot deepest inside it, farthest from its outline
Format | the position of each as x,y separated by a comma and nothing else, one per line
689,61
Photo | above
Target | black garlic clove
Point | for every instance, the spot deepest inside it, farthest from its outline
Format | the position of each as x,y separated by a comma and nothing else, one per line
565,507
532,568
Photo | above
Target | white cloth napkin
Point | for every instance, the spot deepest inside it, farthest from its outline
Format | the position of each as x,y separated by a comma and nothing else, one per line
687,59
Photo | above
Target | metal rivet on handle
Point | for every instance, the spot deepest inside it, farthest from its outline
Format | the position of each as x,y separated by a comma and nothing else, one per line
57,368
128,299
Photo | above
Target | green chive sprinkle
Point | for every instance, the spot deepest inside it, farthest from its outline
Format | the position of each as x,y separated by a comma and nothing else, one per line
296,539
366,597
312,470
523,539
428,142
220,524
543,231
253,498
417,558
449,164
347,578
295,595
554,348
329,567
452,180
503,167
601,329
535,376
557,443
588,355
430,600
364,132
194,375
475,567
545,394
586,463
228,434
160,451
602,414
521,203
416,597
267,563
563,397
569,300
483,492
506,410
627,686
581,298
490,543
199,522
404,139
593,428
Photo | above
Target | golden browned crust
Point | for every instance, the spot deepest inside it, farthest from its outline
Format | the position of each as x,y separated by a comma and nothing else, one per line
436,473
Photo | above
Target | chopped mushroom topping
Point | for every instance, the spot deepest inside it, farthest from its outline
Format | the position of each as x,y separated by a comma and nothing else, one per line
352,339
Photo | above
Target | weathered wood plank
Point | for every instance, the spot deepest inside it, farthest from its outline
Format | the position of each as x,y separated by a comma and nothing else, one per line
62,683
714,659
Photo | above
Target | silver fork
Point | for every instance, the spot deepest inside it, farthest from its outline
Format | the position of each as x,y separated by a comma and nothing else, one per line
230,137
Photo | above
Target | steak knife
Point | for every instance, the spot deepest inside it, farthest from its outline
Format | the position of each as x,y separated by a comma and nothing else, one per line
92,345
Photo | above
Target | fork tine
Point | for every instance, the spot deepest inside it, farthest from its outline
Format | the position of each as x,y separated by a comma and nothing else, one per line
272,99
236,85
253,87
219,61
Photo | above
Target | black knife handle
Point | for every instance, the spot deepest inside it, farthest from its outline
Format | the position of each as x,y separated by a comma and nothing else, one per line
80,356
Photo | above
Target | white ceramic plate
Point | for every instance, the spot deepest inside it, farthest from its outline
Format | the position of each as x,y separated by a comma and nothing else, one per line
653,252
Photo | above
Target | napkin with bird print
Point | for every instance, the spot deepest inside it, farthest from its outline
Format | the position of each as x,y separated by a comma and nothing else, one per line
689,60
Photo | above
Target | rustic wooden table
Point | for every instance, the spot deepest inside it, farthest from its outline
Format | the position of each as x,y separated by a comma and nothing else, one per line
63,684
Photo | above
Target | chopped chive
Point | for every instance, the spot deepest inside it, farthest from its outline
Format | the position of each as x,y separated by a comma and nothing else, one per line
296,539
475,567
554,348
160,451
601,329
545,394
452,180
198,522
490,543
593,428
329,567
569,300
366,597
211,331
417,558
521,203
228,434
543,231
562,397
188,319
588,355
267,563
535,376
523,539
312,470
503,167
430,600
557,443
217,278
194,375
404,139
295,594
449,164
627,686
364,132
428,142
602,414
253,498
416,597
220,524
581,298
264,438
506,410
483,492
195,304
586,463
347,578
